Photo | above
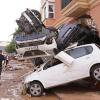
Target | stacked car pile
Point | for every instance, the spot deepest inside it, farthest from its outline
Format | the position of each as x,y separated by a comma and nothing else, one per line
37,41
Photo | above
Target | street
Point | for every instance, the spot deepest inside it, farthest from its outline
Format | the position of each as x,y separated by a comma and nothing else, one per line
10,88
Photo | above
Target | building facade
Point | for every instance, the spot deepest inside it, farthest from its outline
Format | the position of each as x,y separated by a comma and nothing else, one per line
56,12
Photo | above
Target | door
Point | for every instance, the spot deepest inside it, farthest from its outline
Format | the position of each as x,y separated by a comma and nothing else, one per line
65,58
53,74
81,64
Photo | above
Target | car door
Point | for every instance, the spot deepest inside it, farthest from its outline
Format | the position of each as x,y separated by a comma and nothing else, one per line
82,60
65,58
53,75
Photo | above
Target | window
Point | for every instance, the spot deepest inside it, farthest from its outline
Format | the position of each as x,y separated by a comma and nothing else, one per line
51,10
52,63
64,3
79,52
44,12
33,53
48,10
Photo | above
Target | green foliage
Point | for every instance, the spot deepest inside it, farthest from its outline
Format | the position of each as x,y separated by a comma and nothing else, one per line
10,48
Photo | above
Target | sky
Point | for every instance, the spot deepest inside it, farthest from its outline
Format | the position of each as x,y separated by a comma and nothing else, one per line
10,10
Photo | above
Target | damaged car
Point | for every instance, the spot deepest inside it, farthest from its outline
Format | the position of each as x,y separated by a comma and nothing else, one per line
35,40
74,63
41,47
71,33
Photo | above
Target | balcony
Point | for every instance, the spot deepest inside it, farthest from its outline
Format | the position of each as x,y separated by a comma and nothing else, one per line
76,8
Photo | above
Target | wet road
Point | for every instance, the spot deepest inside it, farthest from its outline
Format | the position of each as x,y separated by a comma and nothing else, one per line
10,83
10,86
76,92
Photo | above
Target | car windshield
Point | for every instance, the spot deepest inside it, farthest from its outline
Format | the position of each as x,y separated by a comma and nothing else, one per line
52,63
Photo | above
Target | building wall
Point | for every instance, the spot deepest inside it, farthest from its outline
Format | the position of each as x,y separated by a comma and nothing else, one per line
47,21
94,12
60,18
57,9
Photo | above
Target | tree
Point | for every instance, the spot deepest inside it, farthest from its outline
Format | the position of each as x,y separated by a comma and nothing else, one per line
11,48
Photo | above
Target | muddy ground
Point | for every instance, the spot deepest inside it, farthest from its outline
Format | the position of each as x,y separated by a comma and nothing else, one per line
11,80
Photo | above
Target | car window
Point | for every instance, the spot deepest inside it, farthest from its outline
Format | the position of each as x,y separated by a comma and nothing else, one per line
51,63
79,52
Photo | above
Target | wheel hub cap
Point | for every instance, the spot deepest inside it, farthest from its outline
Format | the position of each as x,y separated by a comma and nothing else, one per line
97,73
35,89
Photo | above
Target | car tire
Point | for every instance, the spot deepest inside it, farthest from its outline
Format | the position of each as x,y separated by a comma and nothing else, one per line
95,73
36,89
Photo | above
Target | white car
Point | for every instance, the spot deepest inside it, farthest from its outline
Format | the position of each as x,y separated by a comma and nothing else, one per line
67,66
42,50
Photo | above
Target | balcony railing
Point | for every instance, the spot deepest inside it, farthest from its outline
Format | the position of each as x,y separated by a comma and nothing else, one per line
75,8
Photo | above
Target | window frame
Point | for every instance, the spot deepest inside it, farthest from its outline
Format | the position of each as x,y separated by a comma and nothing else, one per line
51,12
50,63
46,12
85,47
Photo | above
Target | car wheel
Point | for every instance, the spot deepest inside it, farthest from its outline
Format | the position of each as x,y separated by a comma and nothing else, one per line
36,89
95,73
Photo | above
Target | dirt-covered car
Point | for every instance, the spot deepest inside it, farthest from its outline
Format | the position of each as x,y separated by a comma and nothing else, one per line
69,65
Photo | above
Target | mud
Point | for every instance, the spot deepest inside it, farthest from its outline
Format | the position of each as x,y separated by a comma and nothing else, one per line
11,81
10,89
